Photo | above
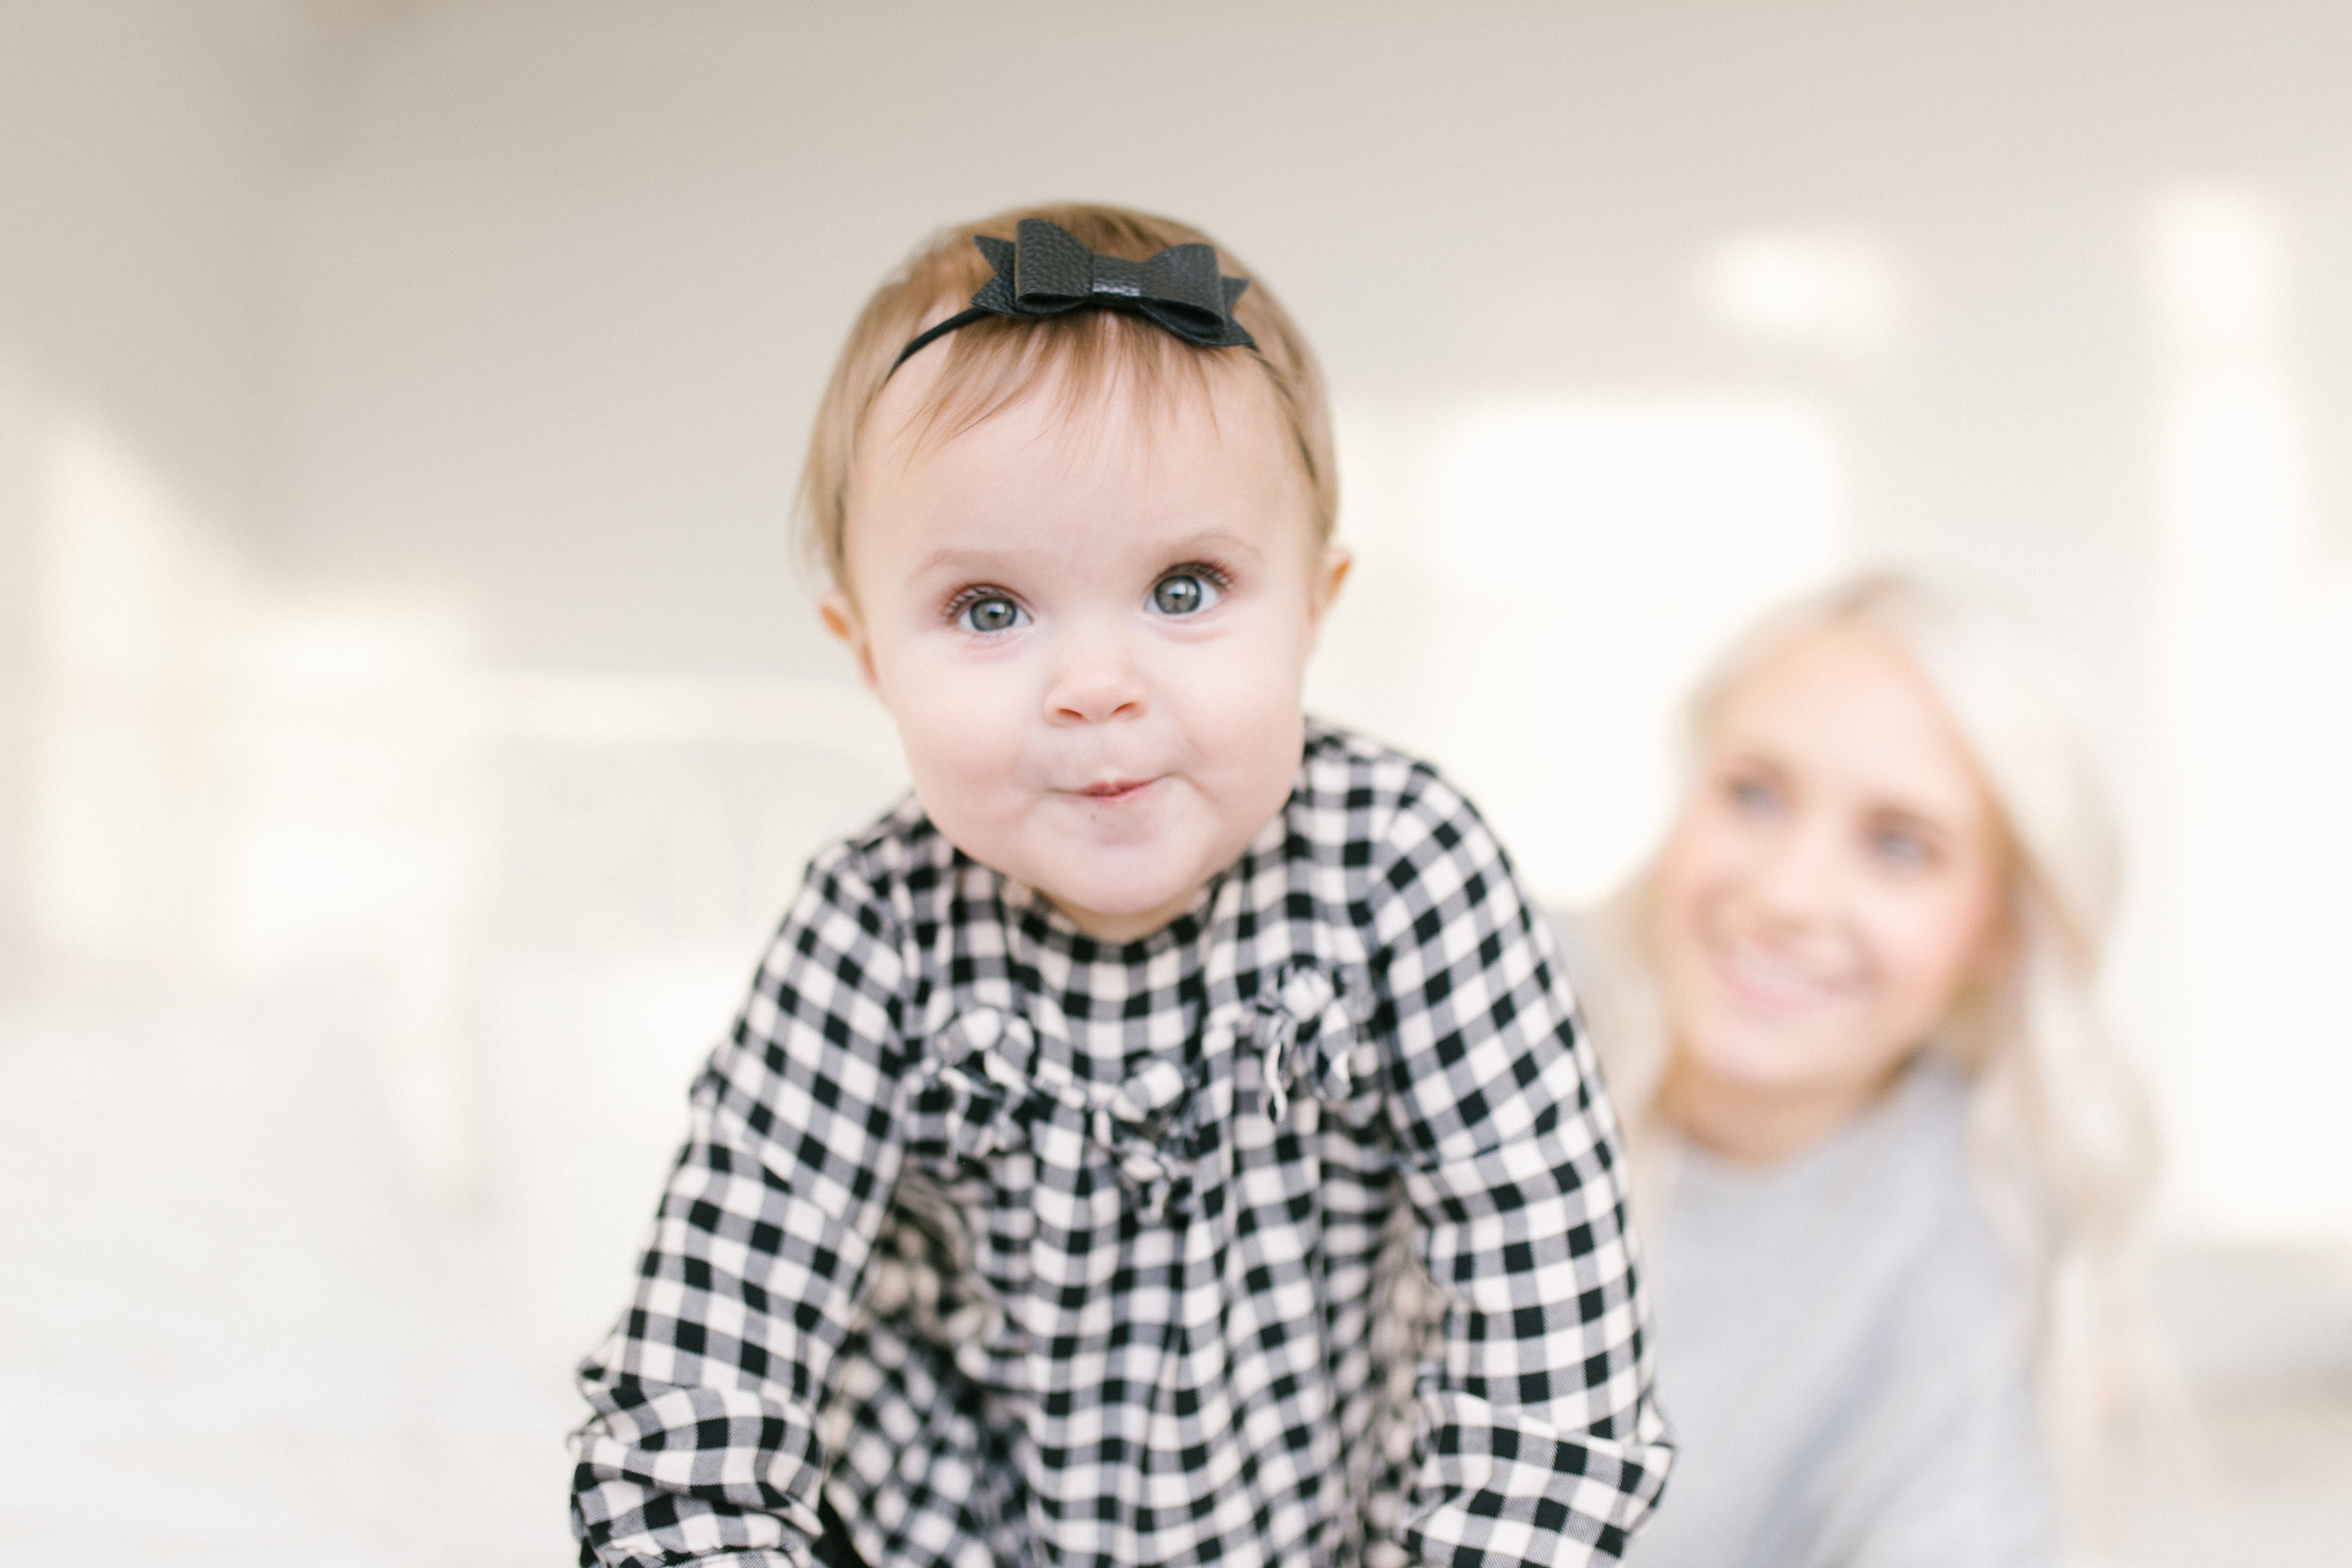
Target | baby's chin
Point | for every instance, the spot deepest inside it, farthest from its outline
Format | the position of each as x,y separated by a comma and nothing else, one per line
1115,908
1117,879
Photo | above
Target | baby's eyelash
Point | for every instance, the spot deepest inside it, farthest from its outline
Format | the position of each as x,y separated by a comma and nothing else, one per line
964,598
1208,571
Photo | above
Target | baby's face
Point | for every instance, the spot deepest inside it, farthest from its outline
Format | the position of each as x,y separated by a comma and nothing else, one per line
1090,633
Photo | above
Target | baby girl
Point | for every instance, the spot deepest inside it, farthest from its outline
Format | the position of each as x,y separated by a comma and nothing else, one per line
1167,1138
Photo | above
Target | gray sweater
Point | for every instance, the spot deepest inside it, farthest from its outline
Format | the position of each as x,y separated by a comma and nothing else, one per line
1841,1353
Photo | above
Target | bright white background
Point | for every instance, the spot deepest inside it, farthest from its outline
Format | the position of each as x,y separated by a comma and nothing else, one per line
411,720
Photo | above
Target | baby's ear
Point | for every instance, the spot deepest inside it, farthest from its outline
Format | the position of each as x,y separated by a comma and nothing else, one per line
839,613
1332,572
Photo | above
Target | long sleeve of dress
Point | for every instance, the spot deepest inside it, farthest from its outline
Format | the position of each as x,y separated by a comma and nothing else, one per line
703,1437
1543,1444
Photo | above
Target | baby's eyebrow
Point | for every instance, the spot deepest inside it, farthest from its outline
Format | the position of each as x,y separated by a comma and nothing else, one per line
1213,542
983,559
967,558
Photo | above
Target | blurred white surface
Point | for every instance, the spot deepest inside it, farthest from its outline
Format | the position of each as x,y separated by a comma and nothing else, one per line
410,720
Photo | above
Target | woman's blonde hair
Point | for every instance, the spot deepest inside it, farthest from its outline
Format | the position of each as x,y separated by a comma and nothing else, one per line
993,364
2060,1134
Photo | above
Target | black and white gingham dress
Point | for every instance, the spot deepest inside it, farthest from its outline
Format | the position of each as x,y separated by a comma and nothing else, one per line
1031,1250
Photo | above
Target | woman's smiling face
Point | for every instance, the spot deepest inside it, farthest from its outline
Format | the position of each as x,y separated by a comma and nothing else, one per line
1835,879
1090,628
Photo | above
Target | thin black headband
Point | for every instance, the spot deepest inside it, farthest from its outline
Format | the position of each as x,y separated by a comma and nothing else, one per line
1043,271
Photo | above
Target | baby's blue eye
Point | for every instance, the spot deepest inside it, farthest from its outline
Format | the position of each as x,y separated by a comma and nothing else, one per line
1183,593
993,613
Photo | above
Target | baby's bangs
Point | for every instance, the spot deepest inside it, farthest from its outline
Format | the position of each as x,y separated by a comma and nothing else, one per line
1082,360
1078,359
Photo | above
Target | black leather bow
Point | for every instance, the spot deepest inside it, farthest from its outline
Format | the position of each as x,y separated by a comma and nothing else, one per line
1044,271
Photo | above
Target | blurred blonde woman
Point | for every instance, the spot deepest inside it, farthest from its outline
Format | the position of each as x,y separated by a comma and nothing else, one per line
1885,1158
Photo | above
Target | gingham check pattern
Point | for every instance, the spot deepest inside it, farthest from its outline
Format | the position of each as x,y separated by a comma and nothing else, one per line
1032,1250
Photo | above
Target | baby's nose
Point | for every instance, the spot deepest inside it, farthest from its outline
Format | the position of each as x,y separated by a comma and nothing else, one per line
1094,681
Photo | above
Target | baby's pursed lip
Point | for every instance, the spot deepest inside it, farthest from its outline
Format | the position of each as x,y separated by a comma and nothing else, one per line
1113,791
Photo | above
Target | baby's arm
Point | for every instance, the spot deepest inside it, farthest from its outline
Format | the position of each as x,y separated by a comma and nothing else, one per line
1543,1444
703,1441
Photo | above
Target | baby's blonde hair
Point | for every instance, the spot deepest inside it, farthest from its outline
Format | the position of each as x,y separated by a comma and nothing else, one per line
994,363
2061,1132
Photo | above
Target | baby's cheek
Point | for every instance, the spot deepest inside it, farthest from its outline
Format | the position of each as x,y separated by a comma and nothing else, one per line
1256,737
957,753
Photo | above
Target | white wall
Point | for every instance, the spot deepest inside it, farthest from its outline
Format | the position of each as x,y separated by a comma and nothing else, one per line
210,1315
1796,287
411,720
134,178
